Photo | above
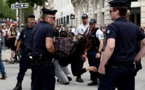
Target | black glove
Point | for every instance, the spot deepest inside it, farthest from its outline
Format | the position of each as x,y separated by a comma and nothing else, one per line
29,52
138,66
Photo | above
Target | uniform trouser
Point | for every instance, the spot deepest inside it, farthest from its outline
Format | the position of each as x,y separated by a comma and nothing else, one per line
23,66
2,68
118,77
61,72
43,75
76,64
93,61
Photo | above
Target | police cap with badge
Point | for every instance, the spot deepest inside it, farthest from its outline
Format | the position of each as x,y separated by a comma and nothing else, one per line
118,3
31,16
48,11
84,16
92,21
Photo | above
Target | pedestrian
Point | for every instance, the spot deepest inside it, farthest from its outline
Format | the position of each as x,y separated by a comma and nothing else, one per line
43,52
2,68
79,33
12,37
122,50
22,44
96,37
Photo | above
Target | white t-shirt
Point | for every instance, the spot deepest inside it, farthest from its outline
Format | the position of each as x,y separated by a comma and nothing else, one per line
99,34
73,30
80,30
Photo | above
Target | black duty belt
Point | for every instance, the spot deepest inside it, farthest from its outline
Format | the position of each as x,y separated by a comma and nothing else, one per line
120,65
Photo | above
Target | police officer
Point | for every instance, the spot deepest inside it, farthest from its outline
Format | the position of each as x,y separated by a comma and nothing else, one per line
78,34
121,50
95,35
22,43
43,51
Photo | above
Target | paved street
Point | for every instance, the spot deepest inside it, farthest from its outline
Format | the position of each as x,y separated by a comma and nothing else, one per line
12,70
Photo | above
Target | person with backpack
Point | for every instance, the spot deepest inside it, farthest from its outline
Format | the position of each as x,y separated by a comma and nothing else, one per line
78,34
96,37
22,44
61,72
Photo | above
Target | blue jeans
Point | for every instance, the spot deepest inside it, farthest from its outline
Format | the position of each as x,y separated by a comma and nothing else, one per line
2,69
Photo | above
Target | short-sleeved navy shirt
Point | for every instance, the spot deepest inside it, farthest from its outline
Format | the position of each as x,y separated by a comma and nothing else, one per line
44,30
24,35
30,42
127,37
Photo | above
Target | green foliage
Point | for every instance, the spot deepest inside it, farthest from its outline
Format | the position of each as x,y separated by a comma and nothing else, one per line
6,11
28,11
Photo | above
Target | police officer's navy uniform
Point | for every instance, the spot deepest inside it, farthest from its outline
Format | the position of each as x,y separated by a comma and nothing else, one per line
95,35
24,60
120,69
43,69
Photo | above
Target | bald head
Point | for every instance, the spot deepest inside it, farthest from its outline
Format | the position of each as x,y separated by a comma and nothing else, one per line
128,14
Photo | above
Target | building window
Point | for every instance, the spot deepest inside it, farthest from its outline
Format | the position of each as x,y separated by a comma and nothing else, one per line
61,20
57,22
87,8
67,19
96,4
64,21
103,3
102,18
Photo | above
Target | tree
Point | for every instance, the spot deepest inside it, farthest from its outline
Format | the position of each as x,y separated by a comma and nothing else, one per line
28,10
6,11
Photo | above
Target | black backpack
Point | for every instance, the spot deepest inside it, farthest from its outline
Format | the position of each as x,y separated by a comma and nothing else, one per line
64,47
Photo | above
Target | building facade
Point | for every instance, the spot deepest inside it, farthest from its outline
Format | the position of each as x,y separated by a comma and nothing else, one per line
65,9
99,10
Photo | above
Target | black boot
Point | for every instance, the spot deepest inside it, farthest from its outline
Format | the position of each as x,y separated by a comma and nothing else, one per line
69,78
93,83
18,86
79,79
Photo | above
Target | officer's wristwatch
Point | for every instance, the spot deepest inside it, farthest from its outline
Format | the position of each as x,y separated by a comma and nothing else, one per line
99,52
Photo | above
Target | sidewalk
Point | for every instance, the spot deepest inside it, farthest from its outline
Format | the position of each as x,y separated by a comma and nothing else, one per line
12,71
6,54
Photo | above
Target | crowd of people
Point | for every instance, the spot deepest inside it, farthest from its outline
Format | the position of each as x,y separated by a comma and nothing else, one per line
122,41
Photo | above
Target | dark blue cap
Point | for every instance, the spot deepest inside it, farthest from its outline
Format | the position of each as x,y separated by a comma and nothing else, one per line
31,16
92,21
49,11
118,3
84,16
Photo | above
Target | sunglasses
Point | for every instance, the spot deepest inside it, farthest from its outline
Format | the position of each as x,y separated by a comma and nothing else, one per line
112,11
52,18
